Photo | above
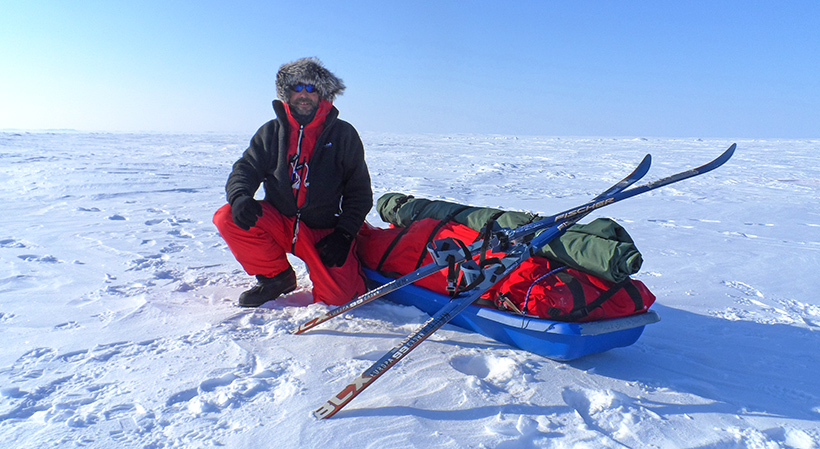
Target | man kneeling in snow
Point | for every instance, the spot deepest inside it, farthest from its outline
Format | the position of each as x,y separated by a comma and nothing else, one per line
317,193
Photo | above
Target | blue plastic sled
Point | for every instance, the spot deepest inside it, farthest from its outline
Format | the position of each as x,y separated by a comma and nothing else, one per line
556,340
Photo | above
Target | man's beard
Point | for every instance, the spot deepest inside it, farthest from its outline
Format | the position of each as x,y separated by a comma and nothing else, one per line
304,106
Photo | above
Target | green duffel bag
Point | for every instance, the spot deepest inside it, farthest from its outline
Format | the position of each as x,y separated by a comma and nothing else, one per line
602,248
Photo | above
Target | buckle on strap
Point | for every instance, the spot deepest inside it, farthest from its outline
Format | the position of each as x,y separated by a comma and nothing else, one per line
449,252
441,250
482,275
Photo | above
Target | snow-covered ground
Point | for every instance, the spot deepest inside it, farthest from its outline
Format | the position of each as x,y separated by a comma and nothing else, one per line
118,325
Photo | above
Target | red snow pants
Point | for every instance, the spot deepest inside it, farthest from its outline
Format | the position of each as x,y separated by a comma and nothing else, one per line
261,251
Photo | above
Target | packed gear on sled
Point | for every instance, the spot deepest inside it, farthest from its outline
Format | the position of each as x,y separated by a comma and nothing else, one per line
602,247
580,278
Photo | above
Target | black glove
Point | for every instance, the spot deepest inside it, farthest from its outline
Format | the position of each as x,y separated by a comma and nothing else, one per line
333,248
245,211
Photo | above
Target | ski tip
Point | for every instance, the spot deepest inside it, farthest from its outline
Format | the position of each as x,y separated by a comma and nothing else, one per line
718,161
643,166
728,153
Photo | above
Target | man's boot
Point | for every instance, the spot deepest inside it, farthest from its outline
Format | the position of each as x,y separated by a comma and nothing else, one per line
268,289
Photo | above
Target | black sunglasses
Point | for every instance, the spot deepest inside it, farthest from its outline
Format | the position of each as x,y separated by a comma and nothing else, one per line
310,88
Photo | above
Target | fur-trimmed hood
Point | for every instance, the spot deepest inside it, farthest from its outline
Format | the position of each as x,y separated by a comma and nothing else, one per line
308,71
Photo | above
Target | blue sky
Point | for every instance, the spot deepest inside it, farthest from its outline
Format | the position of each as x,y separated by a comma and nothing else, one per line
733,69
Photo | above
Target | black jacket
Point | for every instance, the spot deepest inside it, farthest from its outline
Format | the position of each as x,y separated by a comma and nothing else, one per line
339,194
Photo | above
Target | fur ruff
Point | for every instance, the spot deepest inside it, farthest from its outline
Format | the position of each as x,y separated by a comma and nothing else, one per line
308,71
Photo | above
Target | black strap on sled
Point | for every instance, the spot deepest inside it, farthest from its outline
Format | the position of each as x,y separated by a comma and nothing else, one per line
400,202
582,310
634,295
453,282
488,231
575,289
435,231
398,237
483,260
387,252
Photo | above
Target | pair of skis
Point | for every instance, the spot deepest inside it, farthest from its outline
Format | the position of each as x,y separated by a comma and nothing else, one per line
517,244
440,262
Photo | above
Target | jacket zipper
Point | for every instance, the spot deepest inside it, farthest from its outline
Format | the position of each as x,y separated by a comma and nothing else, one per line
295,231
298,189
325,131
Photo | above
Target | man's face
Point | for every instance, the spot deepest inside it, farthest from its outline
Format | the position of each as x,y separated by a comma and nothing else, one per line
304,102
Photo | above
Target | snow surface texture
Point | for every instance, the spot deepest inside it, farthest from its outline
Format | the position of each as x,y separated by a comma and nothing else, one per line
119,329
